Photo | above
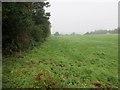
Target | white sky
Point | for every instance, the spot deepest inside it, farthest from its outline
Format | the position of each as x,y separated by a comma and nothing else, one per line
81,16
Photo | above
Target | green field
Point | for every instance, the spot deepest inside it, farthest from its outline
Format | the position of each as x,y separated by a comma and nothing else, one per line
74,61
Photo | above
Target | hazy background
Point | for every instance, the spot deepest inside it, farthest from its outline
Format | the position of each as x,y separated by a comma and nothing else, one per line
81,16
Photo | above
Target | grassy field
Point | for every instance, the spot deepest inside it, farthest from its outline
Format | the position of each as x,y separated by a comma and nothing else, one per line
78,61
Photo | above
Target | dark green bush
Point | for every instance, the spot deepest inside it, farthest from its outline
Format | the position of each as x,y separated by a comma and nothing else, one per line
23,24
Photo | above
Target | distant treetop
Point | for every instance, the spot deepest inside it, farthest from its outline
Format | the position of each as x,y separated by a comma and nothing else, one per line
115,31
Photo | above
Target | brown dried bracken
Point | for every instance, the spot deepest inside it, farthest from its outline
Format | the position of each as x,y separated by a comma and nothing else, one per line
39,77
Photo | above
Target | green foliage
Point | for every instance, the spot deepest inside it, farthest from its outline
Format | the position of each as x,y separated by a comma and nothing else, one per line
37,34
23,23
56,33
115,31
69,61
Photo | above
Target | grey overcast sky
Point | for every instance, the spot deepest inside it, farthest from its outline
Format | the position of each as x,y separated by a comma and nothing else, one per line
81,16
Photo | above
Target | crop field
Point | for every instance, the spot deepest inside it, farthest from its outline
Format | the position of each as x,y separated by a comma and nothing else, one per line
68,61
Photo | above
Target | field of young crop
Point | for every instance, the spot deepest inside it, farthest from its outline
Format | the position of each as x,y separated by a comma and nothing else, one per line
74,61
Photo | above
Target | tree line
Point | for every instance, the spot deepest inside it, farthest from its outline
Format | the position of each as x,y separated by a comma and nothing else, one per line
115,31
24,25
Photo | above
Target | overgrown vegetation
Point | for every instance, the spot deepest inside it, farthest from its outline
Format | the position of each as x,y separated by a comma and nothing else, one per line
24,24
71,61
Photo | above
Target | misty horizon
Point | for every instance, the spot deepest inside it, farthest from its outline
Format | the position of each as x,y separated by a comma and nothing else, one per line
82,17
